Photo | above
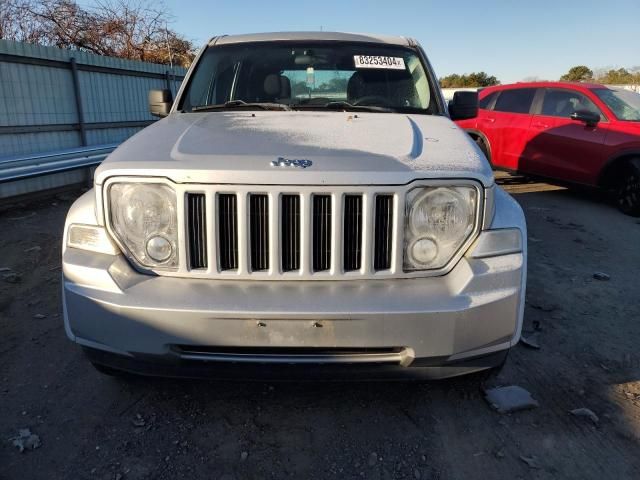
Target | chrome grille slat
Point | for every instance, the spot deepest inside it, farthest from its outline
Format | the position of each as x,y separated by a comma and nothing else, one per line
383,233
321,233
197,230
259,232
352,231
290,233
228,231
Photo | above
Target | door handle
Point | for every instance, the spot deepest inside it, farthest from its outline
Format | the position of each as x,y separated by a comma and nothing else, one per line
488,120
540,125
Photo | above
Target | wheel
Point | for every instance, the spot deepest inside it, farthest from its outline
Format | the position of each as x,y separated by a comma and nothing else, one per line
628,193
482,146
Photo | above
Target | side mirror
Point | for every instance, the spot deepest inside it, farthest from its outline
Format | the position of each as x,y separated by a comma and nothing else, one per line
160,102
588,117
463,106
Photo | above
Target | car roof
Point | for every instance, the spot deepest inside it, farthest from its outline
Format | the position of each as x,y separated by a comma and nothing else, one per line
313,36
573,85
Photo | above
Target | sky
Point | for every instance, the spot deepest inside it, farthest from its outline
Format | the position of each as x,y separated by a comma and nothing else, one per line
513,40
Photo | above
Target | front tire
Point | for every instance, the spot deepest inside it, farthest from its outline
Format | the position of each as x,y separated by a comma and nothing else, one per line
482,146
628,192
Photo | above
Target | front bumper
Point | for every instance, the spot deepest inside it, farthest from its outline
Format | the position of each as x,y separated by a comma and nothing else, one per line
428,327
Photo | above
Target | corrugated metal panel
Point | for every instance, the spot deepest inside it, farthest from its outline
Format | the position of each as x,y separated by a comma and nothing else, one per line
24,143
110,135
11,47
115,98
34,94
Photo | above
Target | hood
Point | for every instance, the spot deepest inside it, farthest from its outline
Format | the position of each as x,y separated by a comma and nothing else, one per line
343,147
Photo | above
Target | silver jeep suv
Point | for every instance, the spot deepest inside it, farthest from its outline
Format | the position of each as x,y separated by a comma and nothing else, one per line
305,208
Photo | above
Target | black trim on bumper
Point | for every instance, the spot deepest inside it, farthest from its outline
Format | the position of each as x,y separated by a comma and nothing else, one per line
421,369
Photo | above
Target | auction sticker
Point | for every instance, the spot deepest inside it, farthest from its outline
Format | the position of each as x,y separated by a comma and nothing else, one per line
379,61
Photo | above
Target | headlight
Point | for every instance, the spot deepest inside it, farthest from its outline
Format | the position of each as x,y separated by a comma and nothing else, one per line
144,219
439,220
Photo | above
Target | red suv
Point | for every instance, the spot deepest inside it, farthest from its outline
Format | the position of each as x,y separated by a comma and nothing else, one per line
574,132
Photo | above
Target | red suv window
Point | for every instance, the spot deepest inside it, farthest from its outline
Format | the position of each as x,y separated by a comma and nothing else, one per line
563,103
516,100
485,103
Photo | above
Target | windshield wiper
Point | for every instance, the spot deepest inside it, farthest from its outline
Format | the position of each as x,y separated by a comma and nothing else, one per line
343,106
240,104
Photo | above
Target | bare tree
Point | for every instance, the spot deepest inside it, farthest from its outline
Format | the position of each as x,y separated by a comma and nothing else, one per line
133,29
16,23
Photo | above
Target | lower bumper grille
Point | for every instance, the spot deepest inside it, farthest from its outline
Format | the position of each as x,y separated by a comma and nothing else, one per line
294,355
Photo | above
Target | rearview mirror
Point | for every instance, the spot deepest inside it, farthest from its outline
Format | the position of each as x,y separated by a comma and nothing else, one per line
588,117
160,102
463,106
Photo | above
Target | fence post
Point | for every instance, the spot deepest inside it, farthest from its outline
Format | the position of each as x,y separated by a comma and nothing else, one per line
167,77
76,91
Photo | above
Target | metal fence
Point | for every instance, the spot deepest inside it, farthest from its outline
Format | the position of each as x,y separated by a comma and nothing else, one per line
54,100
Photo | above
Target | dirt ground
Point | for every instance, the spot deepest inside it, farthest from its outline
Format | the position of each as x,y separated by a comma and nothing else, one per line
97,427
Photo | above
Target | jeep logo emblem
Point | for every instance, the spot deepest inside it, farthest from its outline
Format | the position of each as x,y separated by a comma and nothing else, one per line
291,162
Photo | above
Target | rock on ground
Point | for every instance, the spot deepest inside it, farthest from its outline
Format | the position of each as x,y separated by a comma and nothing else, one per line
510,399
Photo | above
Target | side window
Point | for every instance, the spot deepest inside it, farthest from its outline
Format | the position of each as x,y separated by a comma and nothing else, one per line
516,100
486,101
563,103
212,83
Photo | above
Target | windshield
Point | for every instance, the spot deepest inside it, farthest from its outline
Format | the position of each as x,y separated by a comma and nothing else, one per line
624,104
315,76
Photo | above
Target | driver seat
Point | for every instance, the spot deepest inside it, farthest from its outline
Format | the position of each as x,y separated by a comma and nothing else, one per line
277,88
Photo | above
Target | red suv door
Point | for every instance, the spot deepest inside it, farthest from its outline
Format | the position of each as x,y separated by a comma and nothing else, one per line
507,125
560,147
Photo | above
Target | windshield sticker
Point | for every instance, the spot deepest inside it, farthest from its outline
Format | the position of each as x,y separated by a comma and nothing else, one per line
378,61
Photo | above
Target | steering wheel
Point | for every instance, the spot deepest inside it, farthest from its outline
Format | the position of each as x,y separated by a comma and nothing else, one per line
372,100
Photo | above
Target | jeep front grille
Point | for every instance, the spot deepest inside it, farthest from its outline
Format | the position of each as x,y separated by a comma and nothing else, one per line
318,233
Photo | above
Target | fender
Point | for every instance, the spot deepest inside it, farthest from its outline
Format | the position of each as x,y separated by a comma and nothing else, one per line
606,168
484,139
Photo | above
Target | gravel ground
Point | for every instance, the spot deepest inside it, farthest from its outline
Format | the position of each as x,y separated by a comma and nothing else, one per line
96,427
